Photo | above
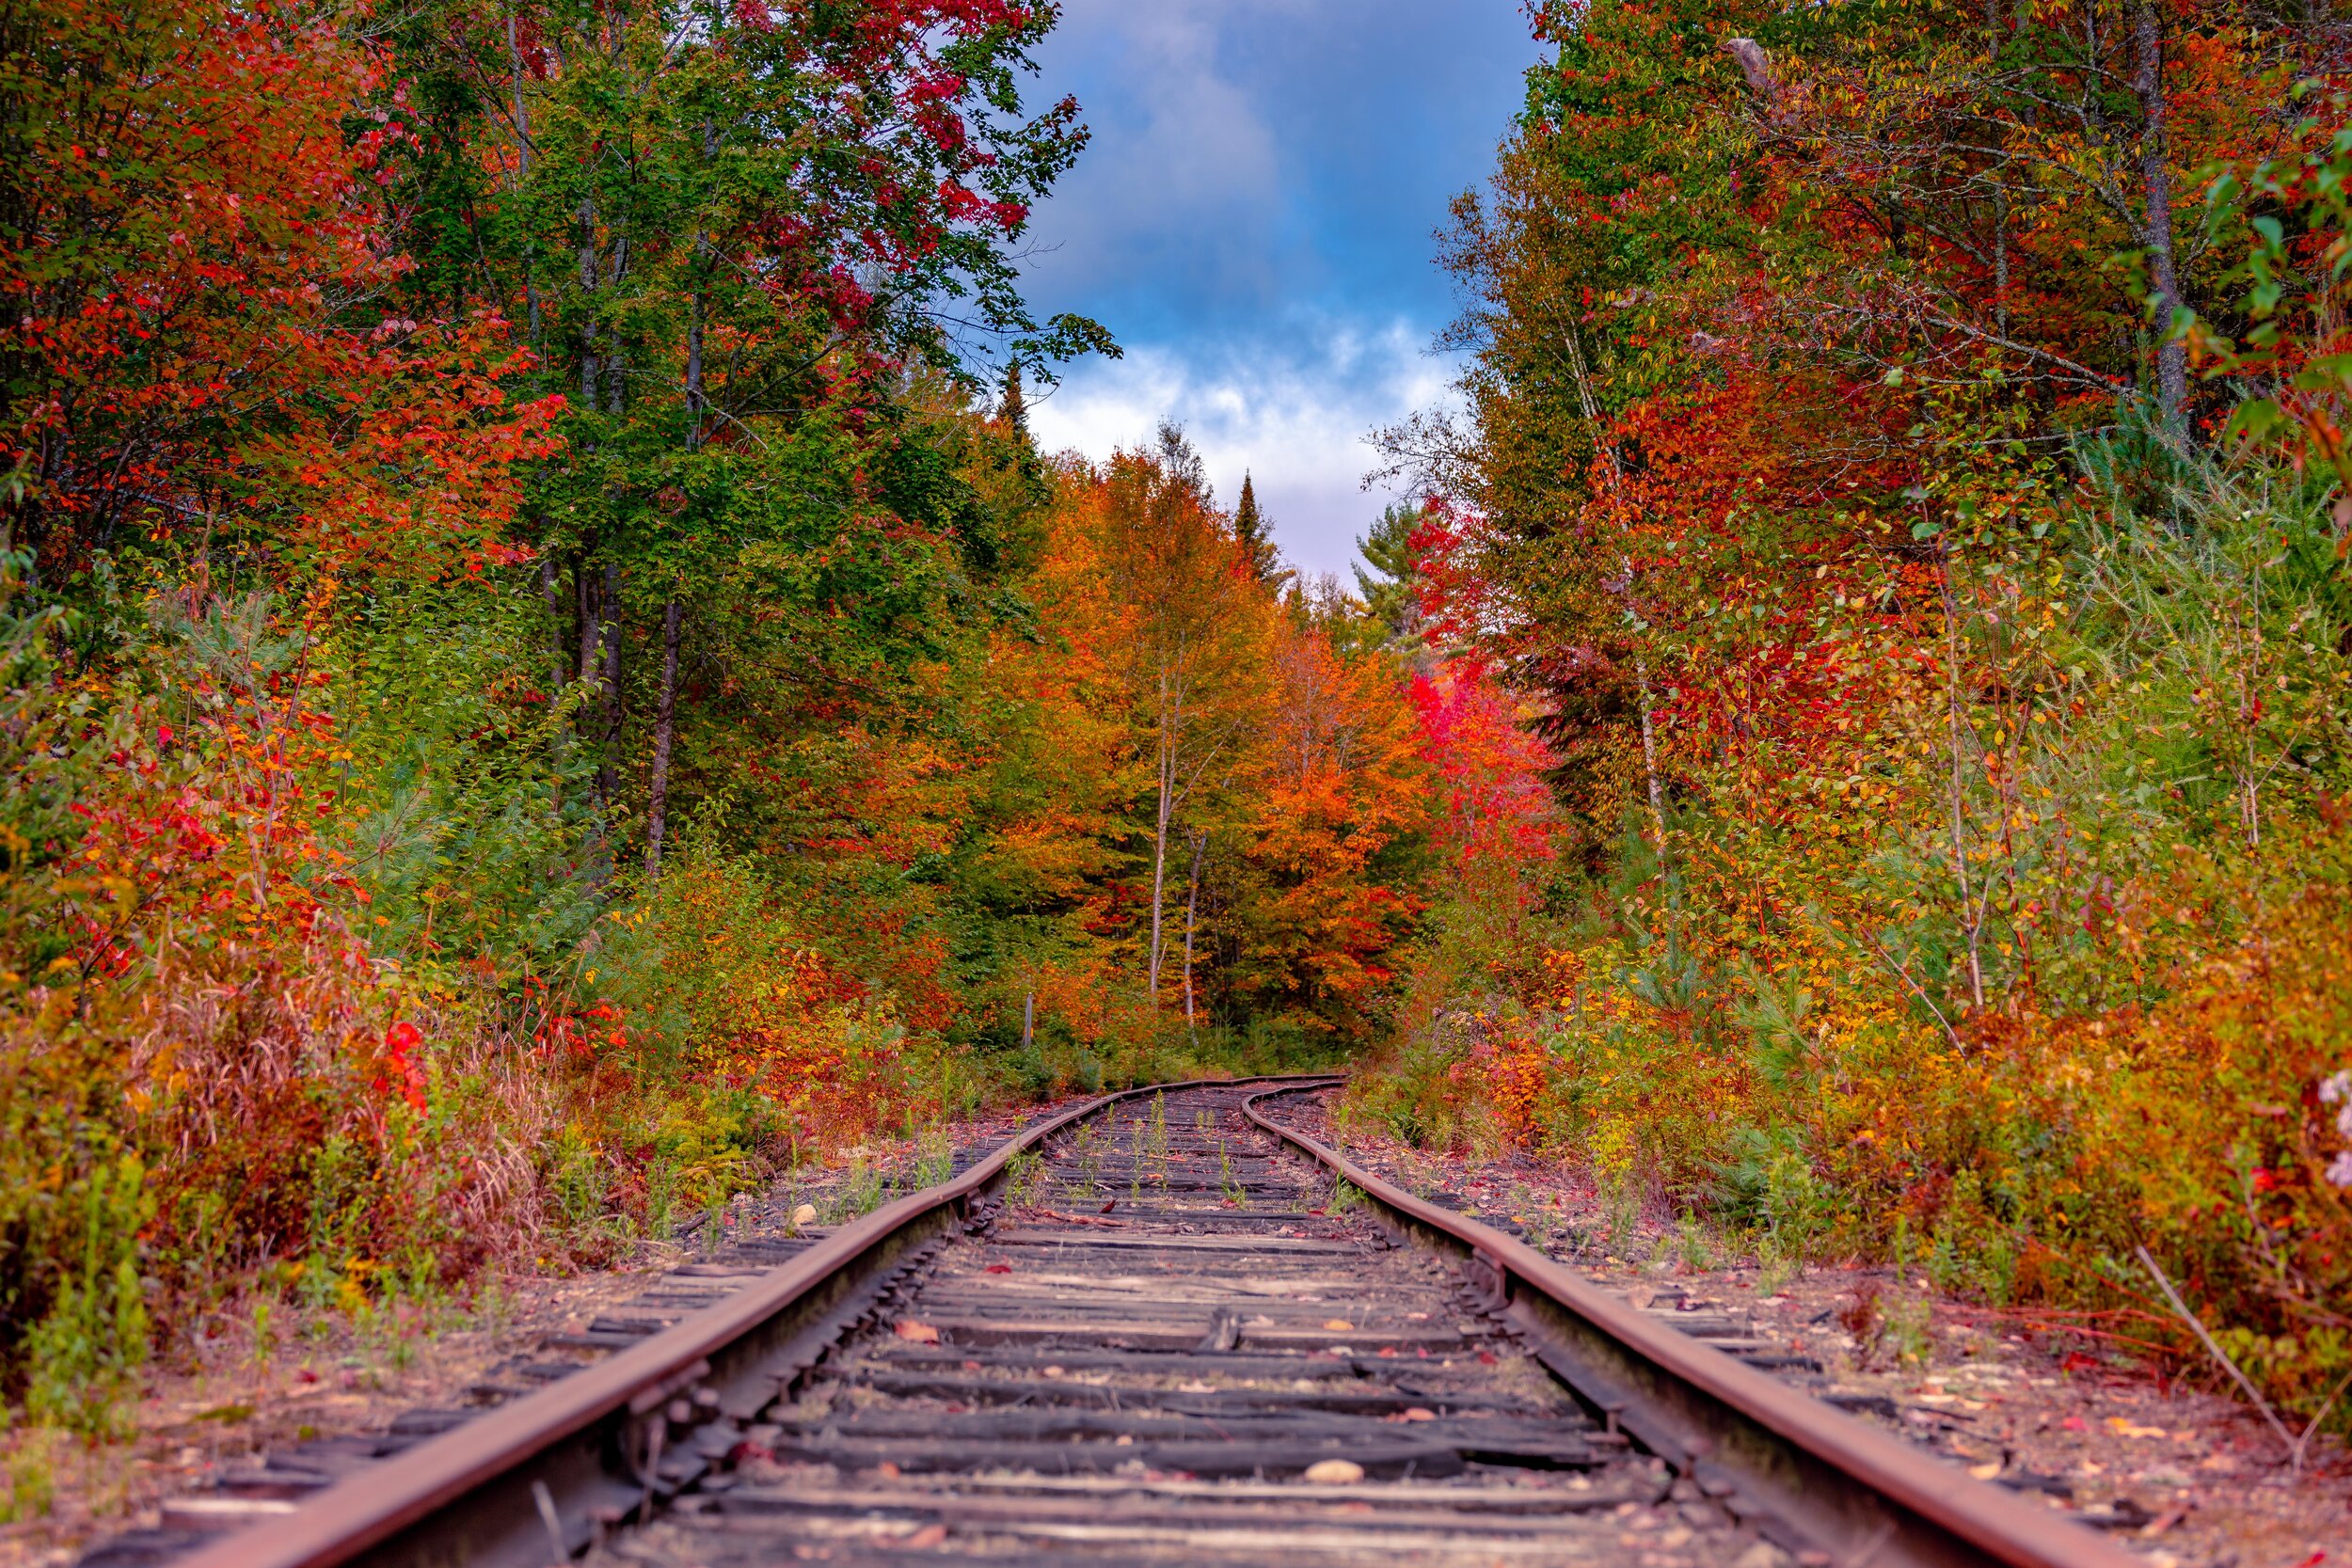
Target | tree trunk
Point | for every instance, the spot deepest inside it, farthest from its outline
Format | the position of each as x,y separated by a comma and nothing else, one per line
1159,860
695,369
590,623
606,780
2147,84
2000,260
615,363
1591,406
1192,921
522,169
588,365
1971,922
694,321
560,665
1649,758
664,727
553,597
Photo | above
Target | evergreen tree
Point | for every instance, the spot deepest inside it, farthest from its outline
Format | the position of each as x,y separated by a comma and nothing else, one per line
1256,534
1390,589
1014,408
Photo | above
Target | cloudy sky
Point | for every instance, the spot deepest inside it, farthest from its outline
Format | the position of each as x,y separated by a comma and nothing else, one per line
1252,222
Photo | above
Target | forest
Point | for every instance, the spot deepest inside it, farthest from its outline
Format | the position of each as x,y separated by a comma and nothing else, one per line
549,681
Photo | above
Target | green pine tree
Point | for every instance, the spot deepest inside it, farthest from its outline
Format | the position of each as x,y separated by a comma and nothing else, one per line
1014,409
1390,589
1256,533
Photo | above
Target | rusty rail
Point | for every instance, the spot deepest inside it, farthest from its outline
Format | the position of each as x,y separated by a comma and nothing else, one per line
531,1480
514,1484
1865,1495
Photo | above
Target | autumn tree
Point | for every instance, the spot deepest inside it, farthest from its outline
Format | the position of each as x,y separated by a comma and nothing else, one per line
1326,887
730,252
1191,659
201,350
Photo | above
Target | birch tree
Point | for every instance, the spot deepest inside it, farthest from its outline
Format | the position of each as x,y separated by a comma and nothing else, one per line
1196,618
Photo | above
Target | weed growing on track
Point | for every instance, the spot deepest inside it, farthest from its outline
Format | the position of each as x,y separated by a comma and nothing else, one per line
30,1470
1027,1176
1234,1192
860,1192
935,1160
1693,1246
1086,1155
1905,1326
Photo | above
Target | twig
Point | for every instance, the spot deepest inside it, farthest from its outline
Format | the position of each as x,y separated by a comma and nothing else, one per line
1950,1035
2311,1430
2294,1450
2080,1330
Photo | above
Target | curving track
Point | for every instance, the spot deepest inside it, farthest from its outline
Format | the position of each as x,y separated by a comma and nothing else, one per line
1163,1329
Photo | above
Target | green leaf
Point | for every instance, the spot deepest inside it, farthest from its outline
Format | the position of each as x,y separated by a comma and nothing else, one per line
2256,419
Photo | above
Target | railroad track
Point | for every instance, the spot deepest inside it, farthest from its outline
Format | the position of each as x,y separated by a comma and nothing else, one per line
1163,1328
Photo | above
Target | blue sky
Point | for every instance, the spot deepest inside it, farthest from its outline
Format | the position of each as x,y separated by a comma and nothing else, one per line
1253,222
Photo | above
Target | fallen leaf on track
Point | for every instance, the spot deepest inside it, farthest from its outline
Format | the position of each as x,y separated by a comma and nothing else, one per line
920,1334
1335,1472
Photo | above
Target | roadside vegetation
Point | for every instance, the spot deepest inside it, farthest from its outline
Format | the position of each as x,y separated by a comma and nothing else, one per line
1900,480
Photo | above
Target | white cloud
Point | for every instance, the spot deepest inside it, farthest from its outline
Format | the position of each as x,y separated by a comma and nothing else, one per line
1183,168
1295,418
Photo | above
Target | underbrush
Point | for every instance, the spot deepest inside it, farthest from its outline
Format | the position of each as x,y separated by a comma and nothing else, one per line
2025,1165
1763,1025
318,987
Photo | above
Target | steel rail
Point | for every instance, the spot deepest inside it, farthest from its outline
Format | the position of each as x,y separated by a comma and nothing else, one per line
485,1493
1866,1495
524,1481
